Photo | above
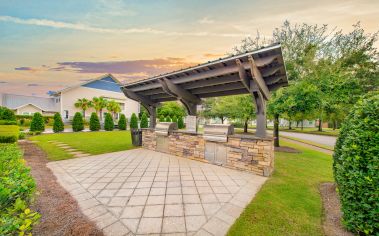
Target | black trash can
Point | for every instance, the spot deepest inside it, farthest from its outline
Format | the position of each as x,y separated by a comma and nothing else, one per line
136,137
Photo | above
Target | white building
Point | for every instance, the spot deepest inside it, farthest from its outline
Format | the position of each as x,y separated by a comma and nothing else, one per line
63,101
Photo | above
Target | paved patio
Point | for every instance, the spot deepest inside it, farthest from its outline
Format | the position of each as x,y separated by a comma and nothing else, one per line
139,192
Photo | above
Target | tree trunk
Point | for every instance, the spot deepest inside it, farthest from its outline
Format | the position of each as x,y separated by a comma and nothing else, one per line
302,124
245,126
276,130
290,125
297,124
84,114
222,120
101,114
334,124
320,124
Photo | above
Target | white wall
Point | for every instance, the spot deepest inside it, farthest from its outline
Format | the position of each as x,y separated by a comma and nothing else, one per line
29,109
69,97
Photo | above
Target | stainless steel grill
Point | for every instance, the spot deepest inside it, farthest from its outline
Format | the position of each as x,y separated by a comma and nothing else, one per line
164,128
217,132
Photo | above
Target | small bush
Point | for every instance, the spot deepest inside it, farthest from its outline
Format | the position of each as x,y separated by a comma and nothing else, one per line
94,122
161,119
17,188
7,114
168,119
144,121
58,125
180,123
37,123
108,122
8,122
356,165
77,122
174,119
133,121
21,135
122,122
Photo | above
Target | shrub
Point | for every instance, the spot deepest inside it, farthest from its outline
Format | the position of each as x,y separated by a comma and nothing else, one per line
168,119
94,122
180,123
356,165
21,135
108,122
9,133
8,122
37,123
161,119
122,122
174,119
58,125
6,114
134,122
144,121
77,122
17,188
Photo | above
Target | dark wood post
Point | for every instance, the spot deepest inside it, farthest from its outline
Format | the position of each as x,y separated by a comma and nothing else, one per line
276,130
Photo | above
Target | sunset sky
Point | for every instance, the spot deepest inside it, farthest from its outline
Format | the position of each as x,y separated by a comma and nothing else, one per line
49,45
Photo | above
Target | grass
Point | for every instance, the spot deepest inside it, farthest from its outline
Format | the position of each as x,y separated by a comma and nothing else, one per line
89,142
289,203
9,129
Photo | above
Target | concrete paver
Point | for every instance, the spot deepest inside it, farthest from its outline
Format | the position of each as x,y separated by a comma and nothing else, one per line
142,192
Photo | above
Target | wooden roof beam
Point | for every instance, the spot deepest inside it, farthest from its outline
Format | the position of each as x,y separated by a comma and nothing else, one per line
243,75
178,92
258,79
139,98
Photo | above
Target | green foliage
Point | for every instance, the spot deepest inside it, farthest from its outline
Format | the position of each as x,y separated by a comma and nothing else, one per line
171,109
134,121
99,103
180,123
8,122
168,119
122,122
6,114
94,122
21,135
77,122
161,118
16,192
356,165
58,125
175,119
84,104
108,122
37,123
114,107
144,121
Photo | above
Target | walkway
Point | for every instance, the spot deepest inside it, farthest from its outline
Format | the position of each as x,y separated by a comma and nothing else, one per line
145,192
320,139
69,149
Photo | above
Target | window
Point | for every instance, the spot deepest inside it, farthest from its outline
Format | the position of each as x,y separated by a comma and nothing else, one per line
66,114
25,113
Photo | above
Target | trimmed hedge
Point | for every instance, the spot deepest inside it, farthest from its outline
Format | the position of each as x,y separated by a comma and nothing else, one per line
180,123
144,121
108,122
7,114
356,166
9,133
38,123
133,121
168,119
161,119
77,122
58,125
122,122
17,188
175,119
94,122
8,122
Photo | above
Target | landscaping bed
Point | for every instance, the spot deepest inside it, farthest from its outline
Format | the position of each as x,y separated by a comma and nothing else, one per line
60,213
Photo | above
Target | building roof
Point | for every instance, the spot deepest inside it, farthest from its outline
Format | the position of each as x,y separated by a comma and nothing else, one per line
227,76
13,101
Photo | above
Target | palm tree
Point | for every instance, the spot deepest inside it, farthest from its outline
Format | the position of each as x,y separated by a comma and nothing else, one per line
84,104
99,103
113,107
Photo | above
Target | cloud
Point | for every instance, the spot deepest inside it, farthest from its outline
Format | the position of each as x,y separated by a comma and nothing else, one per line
206,20
33,85
3,82
23,68
93,29
213,55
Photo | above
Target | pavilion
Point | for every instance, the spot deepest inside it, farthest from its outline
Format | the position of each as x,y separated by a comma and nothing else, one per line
255,72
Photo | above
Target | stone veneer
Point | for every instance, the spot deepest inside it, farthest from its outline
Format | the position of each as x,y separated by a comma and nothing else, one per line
244,152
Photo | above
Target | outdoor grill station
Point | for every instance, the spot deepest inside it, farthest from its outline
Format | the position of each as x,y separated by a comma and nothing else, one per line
257,73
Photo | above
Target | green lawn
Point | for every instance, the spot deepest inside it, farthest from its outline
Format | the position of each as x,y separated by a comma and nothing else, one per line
289,203
89,142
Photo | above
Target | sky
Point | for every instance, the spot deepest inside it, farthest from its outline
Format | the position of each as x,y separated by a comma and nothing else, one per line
49,45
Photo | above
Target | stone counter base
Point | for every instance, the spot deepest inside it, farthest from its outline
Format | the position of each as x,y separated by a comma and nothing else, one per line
245,153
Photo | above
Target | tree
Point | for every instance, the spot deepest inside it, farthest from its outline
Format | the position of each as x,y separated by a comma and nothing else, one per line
134,121
144,121
37,123
84,104
122,122
212,109
171,109
6,114
99,103
114,107
94,122
180,123
77,122
58,125
108,122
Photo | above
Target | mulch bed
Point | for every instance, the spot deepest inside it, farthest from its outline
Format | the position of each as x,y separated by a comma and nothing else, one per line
60,214
286,149
332,211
